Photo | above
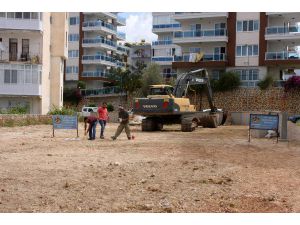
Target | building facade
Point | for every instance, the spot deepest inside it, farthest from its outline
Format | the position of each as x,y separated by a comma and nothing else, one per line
253,44
33,49
140,53
93,50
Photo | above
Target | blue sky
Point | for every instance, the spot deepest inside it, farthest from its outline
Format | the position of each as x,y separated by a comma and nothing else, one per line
138,26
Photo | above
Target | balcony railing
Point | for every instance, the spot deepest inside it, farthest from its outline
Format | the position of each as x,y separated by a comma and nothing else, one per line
99,23
99,41
102,91
282,55
98,58
162,42
163,26
163,59
282,30
205,58
95,74
121,35
200,33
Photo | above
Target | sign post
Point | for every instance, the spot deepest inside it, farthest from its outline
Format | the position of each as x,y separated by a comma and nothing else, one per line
263,122
64,122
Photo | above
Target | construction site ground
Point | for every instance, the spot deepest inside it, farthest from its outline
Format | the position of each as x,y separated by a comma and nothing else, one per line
208,170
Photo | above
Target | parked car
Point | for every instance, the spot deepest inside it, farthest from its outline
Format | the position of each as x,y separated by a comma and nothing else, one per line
294,119
87,111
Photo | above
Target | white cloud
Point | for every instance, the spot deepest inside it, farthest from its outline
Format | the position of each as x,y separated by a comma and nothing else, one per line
138,26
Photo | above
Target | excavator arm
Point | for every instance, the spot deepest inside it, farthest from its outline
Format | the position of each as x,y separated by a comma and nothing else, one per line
196,77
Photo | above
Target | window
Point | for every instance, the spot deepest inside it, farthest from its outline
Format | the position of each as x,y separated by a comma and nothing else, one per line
74,20
248,77
72,69
195,50
73,37
73,53
25,47
247,25
247,50
26,15
11,15
18,15
2,14
34,15
10,76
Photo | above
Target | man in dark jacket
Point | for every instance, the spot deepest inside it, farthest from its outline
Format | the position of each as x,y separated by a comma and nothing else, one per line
91,129
124,123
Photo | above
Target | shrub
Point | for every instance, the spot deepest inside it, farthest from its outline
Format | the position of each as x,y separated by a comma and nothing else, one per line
266,82
110,107
228,81
16,110
293,83
62,111
81,84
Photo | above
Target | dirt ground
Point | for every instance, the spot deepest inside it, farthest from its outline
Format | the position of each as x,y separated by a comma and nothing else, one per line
209,170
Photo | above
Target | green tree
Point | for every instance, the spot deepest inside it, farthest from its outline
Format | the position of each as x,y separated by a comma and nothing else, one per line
151,75
228,81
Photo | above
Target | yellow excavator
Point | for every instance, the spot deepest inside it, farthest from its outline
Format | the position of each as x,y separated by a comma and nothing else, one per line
169,105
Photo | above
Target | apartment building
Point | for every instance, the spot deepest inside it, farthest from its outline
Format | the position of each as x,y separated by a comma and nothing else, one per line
33,47
94,49
253,44
164,51
140,53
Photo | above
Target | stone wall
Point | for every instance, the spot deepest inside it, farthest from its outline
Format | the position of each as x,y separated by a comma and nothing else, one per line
252,99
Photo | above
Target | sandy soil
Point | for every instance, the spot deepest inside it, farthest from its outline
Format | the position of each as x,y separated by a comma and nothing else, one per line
209,170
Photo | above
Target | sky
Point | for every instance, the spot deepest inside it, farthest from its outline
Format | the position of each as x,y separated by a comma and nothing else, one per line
138,26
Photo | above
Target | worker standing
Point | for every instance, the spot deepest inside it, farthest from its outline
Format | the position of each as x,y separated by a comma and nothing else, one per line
91,129
124,123
102,118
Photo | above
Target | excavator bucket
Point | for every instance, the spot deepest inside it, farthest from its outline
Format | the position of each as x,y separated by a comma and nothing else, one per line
209,121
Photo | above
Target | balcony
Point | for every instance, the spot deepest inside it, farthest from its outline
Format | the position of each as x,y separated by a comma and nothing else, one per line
276,58
99,26
208,60
95,74
196,15
20,79
22,21
282,33
120,64
122,50
163,60
98,59
158,28
103,92
162,42
194,36
121,36
99,42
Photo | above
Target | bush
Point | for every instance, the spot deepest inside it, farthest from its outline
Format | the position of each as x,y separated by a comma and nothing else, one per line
266,82
293,83
16,110
228,81
81,84
110,107
62,111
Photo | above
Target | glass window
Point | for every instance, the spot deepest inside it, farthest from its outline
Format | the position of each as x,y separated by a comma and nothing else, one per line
74,20
28,77
2,14
239,26
26,15
245,25
250,50
250,25
255,49
10,15
7,76
244,50
255,74
18,15
14,76
244,75
256,24
238,50
34,15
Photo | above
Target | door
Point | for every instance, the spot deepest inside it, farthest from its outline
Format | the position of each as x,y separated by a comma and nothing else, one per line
13,49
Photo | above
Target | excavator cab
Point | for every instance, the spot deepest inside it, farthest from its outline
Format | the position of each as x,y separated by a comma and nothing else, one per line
161,90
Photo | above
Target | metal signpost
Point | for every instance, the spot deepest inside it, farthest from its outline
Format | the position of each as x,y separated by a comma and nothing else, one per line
65,122
264,122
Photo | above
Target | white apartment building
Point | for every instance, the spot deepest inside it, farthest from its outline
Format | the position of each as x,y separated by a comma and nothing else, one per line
253,44
33,47
94,49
